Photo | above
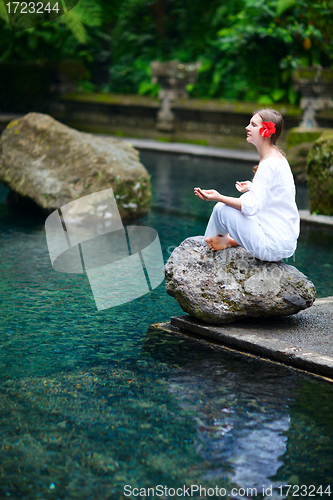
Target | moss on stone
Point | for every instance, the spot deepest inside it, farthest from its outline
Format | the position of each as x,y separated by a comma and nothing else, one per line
299,135
226,105
299,142
81,164
320,174
97,98
12,124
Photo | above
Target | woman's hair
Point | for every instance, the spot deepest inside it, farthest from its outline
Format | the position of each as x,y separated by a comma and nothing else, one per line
270,115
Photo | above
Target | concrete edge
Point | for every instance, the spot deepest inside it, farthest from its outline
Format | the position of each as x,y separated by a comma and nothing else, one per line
242,341
168,327
324,300
321,220
8,117
191,149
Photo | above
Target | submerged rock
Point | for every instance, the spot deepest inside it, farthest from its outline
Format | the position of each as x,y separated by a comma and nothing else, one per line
219,287
320,174
50,164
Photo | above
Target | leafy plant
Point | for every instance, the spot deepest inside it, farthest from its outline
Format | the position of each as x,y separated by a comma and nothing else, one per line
248,48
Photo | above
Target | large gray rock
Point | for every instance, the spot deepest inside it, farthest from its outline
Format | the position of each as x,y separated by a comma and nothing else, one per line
219,287
52,164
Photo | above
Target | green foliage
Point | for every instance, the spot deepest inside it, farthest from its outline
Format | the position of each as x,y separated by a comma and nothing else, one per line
299,135
283,5
59,39
248,48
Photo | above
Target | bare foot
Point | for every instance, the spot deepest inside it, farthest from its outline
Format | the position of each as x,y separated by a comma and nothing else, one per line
221,242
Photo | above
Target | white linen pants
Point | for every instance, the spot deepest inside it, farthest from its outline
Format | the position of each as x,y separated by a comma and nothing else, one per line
247,232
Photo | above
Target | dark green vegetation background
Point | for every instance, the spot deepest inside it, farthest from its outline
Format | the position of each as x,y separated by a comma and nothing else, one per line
248,48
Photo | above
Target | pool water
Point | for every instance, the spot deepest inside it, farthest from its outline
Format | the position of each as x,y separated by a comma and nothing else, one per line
93,401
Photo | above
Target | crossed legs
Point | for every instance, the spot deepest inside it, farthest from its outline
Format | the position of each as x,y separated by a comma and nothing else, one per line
228,227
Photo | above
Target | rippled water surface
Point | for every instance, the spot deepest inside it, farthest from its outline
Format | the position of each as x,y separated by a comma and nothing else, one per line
93,401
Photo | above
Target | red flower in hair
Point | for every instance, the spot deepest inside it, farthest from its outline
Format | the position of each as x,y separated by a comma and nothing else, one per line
267,129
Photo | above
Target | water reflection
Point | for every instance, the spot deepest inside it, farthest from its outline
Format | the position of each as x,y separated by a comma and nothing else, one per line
240,409
239,431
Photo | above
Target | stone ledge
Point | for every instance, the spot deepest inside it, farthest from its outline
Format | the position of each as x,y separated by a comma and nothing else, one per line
213,105
191,149
324,220
288,340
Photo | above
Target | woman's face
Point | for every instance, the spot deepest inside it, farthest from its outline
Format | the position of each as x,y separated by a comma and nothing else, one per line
253,135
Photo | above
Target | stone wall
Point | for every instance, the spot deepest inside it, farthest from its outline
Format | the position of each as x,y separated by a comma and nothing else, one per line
213,122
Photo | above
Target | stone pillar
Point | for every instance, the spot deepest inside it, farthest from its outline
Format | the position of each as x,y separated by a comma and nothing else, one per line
173,77
316,86
165,117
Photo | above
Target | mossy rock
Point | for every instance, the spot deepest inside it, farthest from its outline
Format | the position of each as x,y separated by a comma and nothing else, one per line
297,158
320,174
299,142
49,164
300,135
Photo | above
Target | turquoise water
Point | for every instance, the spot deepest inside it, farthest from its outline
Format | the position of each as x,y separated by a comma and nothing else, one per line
93,401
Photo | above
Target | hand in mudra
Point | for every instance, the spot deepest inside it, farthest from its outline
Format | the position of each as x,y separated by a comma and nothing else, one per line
244,186
207,194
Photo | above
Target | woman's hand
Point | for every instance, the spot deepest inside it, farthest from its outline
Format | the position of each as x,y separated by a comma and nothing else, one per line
244,186
212,195
207,194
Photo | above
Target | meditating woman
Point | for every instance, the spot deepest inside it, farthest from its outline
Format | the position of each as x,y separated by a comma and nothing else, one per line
265,219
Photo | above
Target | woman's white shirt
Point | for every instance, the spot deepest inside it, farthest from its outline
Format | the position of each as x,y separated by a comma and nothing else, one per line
271,202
